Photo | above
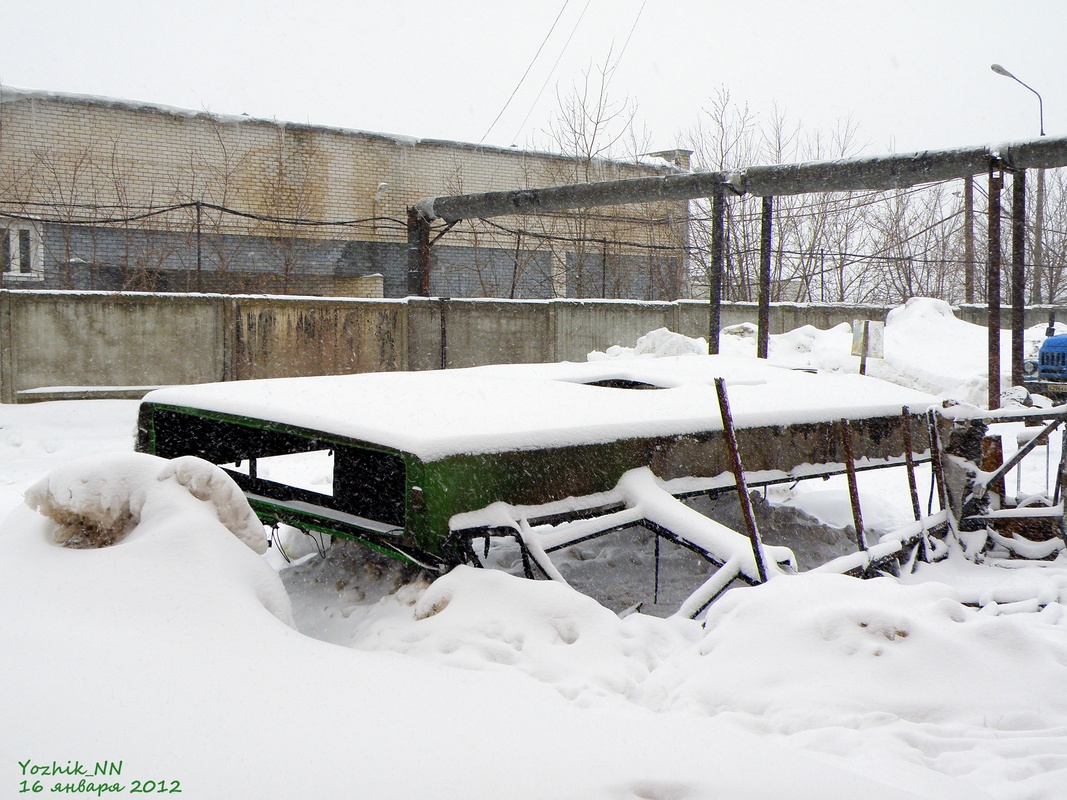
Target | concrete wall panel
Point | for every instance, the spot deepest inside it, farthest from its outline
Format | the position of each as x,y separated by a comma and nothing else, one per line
101,339
278,337
584,326
480,332
61,339
423,333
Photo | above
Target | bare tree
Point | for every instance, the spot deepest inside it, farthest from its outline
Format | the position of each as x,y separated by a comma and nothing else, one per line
627,251
829,247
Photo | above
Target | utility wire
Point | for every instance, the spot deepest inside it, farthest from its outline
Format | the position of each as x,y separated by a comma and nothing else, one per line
527,72
625,44
155,211
552,71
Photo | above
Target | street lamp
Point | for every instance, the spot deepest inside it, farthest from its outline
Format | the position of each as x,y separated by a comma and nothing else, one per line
1040,104
1039,212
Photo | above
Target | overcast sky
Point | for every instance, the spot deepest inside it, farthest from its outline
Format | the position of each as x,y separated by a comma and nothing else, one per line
912,74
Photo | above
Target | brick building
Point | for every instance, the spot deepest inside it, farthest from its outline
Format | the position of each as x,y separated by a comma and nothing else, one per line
108,194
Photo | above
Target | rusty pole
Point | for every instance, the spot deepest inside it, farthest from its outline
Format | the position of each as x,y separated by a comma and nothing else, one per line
936,464
199,247
764,314
1018,273
1061,484
853,489
968,238
909,457
718,212
1039,227
418,253
739,477
442,307
996,183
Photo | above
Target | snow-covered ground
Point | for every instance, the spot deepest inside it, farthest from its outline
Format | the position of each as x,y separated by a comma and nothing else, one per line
174,651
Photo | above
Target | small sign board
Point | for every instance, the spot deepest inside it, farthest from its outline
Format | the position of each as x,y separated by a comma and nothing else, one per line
868,341
868,338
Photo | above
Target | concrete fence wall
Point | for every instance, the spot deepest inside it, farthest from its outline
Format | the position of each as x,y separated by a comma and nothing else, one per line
118,340
56,344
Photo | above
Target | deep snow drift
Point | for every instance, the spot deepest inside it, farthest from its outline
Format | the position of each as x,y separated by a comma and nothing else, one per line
171,650
926,348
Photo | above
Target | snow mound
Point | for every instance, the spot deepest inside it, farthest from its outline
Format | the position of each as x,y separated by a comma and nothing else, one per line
165,513
95,500
488,620
808,655
98,501
928,348
922,311
659,343
802,651
207,482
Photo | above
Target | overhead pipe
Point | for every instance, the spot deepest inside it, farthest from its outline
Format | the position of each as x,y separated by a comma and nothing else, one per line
851,174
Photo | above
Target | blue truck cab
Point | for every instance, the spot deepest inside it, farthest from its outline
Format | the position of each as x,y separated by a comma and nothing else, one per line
1047,374
1052,359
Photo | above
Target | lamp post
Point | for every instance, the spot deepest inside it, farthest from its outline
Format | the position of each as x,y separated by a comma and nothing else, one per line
1040,104
1039,211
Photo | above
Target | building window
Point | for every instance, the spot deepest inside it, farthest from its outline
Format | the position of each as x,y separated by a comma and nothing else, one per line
20,251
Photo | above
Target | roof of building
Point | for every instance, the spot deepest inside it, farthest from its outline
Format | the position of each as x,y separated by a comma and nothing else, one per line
9,94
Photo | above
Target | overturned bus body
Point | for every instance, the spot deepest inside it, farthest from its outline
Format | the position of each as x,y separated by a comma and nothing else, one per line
400,460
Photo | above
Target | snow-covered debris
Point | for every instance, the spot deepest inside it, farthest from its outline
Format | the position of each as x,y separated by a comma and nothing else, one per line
97,501
641,496
157,525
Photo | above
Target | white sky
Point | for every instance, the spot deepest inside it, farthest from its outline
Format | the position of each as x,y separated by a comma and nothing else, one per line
913,74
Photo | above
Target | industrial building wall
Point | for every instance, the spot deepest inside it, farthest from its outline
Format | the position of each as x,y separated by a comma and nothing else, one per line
112,192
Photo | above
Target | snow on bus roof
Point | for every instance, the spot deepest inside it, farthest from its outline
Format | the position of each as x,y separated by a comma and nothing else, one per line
436,414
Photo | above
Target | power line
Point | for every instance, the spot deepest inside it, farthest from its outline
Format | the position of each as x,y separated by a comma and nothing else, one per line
527,72
625,44
155,211
552,71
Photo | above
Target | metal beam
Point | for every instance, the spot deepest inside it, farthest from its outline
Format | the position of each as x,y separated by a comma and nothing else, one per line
578,195
718,211
764,314
851,174
418,254
996,183
1018,274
